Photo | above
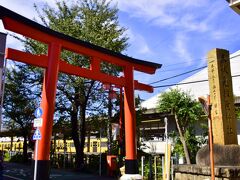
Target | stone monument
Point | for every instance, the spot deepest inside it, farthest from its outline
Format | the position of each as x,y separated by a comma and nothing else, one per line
223,116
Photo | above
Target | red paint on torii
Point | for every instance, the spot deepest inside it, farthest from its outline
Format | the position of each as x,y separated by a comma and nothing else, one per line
53,64
64,67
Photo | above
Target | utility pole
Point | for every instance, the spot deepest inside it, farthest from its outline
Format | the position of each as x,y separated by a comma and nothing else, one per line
2,72
166,149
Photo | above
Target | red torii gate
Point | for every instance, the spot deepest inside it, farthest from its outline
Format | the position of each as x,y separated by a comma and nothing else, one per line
53,64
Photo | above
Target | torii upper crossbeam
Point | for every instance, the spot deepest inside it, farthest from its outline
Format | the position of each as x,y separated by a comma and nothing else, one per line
53,64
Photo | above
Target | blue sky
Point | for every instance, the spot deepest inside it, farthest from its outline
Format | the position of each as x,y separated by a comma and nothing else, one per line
175,33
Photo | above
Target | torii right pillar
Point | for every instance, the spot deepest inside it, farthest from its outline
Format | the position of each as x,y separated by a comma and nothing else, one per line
131,164
223,116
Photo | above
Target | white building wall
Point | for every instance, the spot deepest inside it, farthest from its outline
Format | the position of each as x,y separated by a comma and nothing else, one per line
154,147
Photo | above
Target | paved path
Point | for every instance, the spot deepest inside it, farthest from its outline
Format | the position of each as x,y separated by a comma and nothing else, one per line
15,171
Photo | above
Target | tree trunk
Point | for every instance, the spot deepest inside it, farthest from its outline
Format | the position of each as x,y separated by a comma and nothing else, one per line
82,134
182,139
25,154
75,137
88,141
11,146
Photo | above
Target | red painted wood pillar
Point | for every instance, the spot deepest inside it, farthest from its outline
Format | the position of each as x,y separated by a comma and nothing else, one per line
131,165
48,106
121,122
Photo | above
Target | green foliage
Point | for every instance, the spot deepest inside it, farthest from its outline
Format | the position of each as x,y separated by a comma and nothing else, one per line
6,156
93,161
178,148
93,21
18,158
139,117
149,171
187,112
237,110
182,104
20,103
139,110
193,143
114,148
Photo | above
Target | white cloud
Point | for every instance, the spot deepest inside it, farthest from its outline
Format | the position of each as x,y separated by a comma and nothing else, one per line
139,43
143,8
203,61
186,20
219,35
181,49
24,8
189,23
187,15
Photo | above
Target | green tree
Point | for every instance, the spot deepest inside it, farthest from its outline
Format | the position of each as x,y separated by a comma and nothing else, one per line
186,111
95,21
237,111
193,142
19,104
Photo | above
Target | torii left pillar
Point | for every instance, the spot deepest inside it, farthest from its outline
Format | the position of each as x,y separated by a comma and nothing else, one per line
48,106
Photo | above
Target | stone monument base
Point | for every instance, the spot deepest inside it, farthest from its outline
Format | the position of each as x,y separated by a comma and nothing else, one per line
196,172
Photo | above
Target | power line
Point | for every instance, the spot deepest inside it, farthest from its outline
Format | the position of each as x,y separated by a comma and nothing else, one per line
177,69
184,62
186,72
196,60
169,70
177,75
191,61
190,82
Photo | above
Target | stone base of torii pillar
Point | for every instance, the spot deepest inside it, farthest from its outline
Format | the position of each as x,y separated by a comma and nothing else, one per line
131,177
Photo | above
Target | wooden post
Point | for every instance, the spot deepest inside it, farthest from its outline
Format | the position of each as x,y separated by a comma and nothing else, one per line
211,147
